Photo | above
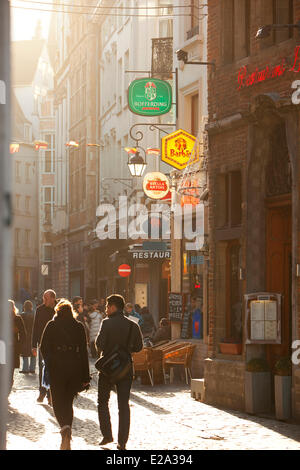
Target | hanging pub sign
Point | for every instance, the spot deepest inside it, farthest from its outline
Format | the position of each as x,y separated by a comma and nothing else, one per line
156,185
177,149
150,97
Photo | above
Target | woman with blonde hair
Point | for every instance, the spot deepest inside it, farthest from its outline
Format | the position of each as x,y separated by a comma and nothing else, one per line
18,338
64,349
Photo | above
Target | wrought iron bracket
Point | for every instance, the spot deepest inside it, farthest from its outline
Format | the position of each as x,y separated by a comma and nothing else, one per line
138,135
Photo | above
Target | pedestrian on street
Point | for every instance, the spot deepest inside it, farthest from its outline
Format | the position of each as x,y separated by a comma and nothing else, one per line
148,327
130,311
95,322
18,339
116,330
163,332
80,316
44,313
64,349
101,306
29,360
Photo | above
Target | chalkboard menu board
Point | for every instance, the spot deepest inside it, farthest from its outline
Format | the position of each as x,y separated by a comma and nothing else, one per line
185,333
175,307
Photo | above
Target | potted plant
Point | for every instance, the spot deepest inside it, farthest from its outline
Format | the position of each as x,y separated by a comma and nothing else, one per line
231,346
283,388
257,386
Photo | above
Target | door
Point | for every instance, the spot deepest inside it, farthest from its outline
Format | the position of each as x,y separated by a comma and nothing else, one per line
278,271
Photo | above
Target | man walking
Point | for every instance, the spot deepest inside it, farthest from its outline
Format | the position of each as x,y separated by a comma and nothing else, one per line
116,329
44,313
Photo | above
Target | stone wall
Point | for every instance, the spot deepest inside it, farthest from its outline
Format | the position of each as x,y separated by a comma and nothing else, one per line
225,383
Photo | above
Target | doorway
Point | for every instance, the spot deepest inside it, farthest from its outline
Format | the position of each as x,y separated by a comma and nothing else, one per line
278,269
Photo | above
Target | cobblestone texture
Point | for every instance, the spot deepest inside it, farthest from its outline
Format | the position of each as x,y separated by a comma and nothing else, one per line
162,418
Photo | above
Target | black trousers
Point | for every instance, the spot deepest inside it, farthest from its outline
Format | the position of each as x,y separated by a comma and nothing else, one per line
43,390
63,394
123,392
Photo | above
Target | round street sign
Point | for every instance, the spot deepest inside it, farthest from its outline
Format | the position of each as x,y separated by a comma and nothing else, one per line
124,270
156,185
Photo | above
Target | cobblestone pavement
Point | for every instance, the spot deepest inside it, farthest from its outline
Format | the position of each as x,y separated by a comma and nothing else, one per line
162,418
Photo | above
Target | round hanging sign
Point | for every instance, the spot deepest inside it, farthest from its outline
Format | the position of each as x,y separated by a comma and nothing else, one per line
156,185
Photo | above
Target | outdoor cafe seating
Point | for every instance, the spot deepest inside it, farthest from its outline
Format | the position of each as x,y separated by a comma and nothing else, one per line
153,363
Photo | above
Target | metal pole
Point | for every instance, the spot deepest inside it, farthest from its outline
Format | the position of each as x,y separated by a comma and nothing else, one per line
5,216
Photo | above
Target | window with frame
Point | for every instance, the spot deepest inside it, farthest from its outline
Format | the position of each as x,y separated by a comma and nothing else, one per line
277,12
49,163
233,292
17,239
236,30
27,239
27,173
47,252
49,201
27,203
18,171
228,200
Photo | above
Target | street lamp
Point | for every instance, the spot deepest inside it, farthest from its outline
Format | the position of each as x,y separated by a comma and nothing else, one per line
136,163
265,31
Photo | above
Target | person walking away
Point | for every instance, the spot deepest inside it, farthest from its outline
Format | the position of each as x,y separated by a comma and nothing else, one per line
129,311
29,360
148,328
77,304
116,330
95,323
44,313
18,339
64,349
163,332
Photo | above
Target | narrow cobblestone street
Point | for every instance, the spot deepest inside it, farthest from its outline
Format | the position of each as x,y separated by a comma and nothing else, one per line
163,418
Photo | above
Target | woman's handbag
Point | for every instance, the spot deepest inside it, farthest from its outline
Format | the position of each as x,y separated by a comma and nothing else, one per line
117,363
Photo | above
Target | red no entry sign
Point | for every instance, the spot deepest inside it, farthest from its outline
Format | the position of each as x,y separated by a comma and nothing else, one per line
124,270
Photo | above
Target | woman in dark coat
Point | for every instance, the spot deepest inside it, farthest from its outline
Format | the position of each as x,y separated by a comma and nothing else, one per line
18,339
148,327
29,361
64,349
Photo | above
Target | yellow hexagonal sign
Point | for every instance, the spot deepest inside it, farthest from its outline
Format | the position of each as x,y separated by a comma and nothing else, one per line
177,149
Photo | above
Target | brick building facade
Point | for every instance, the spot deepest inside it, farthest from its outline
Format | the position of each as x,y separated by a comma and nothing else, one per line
254,181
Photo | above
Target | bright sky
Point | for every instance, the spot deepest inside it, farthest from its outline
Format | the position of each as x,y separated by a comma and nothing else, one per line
24,21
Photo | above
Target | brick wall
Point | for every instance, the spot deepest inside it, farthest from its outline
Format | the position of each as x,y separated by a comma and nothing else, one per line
229,150
225,383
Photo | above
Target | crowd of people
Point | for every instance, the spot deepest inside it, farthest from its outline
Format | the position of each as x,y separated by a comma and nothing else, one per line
61,335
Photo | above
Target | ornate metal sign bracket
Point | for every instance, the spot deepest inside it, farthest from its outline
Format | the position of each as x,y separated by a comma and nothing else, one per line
138,135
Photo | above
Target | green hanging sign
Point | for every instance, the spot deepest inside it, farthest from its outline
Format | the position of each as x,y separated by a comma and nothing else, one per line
150,97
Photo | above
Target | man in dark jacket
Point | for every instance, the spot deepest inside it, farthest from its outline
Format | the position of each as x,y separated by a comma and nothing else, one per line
44,313
116,329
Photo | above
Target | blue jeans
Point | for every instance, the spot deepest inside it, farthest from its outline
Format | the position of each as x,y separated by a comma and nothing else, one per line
29,364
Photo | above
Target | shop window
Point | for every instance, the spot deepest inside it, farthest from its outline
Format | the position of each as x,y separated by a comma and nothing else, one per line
236,30
228,200
193,277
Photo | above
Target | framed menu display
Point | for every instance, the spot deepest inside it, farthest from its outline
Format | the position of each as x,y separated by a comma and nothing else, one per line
263,318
